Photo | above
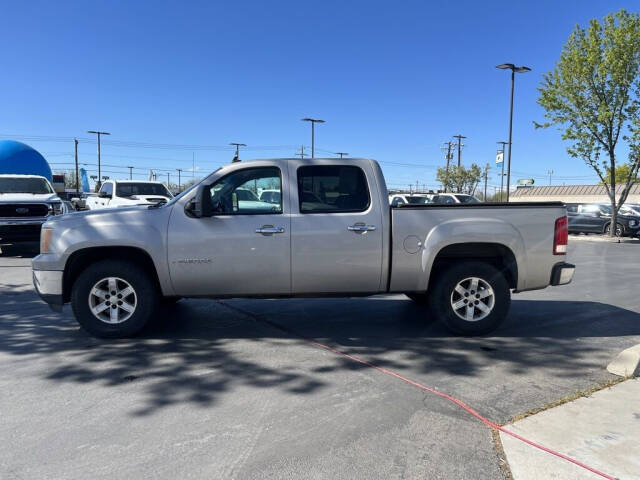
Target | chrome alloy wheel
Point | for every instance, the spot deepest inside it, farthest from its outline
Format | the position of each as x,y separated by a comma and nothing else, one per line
112,300
472,299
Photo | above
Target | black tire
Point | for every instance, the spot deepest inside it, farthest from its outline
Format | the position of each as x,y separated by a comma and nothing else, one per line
419,298
146,294
442,294
619,230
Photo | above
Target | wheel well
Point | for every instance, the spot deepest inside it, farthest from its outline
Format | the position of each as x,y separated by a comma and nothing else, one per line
81,259
497,255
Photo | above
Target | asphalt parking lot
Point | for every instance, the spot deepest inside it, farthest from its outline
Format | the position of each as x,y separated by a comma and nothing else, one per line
231,389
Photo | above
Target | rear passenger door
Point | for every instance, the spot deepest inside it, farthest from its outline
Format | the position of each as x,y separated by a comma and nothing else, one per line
336,228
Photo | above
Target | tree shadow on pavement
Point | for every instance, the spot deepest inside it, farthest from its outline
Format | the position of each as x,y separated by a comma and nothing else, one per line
201,349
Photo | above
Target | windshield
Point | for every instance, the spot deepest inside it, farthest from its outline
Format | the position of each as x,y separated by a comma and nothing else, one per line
605,209
24,185
129,189
467,199
417,200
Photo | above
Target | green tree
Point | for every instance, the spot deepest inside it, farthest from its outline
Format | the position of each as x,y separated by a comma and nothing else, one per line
622,173
460,179
592,96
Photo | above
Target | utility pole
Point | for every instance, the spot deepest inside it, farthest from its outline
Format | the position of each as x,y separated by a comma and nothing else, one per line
550,172
179,173
301,153
341,154
459,137
75,141
98,133
313,122
502,173
168,181
449,145
130,173
237,156
486,174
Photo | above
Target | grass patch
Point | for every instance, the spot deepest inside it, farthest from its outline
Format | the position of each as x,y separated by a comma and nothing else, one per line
569,398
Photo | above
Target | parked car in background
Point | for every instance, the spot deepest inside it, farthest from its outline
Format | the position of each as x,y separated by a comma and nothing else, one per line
596,218
409,199
125,193
26,202
270,196
632,209
444,198
333,233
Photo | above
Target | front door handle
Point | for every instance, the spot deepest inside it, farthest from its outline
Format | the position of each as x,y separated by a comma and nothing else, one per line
361,227
269,230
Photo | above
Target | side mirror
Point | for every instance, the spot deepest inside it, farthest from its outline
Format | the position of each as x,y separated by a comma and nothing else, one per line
200,205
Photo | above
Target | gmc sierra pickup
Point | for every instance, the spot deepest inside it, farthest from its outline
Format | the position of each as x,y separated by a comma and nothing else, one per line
331,232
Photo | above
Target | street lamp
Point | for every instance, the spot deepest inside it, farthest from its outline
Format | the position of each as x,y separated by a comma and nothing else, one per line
313,123
514,70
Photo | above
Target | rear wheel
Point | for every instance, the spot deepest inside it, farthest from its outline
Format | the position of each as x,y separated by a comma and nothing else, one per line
619,229
471,298
114,299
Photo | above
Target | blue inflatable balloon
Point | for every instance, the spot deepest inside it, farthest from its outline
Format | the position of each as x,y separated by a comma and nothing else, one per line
17,157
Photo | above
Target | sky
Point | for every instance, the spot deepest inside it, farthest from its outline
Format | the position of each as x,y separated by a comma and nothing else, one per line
175,82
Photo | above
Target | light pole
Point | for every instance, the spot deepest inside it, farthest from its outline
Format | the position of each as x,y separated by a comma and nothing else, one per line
237,145
550,172
502,173
179,173
98,133
130,173
341,154
313,133
514,70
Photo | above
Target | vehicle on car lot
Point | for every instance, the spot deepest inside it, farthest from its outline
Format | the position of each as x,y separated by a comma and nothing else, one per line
332,234
632,209
124,193
445,198
271,196
596,218
26,202
409,198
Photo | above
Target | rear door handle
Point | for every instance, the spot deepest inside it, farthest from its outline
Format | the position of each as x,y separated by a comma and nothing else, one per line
269,230
361,227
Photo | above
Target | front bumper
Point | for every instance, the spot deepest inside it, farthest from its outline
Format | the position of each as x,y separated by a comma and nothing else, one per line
48,284
21,230
562,273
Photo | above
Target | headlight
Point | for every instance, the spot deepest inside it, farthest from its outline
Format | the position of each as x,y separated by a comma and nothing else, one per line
56,208
632,223
45,239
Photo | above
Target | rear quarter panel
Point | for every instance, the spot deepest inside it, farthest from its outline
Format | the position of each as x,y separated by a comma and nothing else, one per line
526,231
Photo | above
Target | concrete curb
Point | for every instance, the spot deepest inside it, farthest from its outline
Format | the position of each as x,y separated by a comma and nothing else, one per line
627,363
602,238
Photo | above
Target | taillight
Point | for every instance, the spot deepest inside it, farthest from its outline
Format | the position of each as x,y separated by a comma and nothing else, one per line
561,236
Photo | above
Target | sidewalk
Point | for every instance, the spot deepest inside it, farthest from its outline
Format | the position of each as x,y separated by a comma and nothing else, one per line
601,431
594,237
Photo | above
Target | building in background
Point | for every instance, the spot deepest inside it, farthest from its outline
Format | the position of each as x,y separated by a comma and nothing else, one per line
570,194
19,158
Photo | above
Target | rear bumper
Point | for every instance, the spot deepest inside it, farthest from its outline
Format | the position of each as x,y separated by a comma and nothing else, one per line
48,284
562,273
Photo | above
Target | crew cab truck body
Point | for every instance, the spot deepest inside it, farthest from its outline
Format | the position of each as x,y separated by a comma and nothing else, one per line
26,202
332,234
125,193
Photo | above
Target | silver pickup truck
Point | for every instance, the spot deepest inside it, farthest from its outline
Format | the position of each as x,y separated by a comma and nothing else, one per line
330,232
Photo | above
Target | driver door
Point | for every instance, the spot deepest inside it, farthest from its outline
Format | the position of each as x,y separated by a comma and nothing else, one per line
244,248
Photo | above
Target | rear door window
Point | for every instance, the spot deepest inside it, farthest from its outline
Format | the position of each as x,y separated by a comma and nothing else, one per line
332,189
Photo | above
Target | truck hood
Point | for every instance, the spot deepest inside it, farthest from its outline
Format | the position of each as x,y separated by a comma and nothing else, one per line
134,214
28,197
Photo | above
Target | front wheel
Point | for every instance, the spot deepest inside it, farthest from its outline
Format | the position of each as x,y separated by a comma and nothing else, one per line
114,299
470,298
